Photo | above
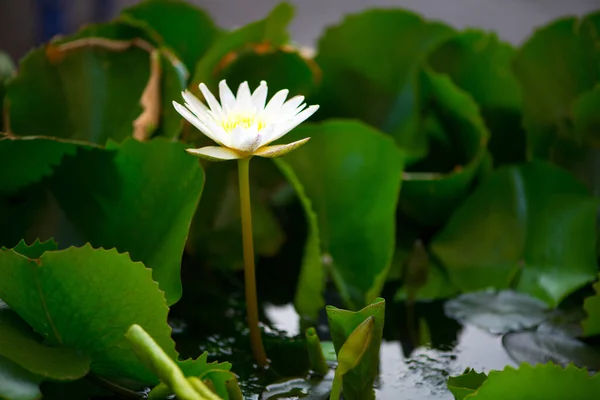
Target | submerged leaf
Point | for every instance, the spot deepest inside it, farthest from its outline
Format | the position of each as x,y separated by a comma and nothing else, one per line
358,382
530,226
498,312
539,348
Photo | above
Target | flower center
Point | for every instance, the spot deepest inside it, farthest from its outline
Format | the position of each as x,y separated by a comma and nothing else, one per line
244,120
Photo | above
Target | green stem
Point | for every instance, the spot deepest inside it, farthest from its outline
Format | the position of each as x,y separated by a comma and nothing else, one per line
336,388
251,298
315,352
202,389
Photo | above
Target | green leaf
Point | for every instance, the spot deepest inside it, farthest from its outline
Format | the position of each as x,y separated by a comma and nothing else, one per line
541,382
437,184
370,66
95,88
136,197
6,70
351,173
56,363
557,65
358,382
309,298
34,250
540,347
86,299
270,31
282,68
17,383
591,305
534,220
498,312
183,27
39,155
463,385
479,63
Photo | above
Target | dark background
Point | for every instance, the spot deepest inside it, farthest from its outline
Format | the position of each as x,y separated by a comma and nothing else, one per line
26,23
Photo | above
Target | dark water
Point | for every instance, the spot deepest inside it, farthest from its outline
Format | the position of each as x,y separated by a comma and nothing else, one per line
423,373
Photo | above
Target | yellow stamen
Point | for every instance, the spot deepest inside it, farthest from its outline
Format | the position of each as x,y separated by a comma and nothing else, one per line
246,121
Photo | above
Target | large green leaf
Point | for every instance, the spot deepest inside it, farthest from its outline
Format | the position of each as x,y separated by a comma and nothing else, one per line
557,65
457,139
463,385
136,197
20,345
480,63
542,382
351,173
370,66
270,32
309,298
31,158
183,27
16,383
358,382
530,226
6,71
104,82
282,69
86,299
591,325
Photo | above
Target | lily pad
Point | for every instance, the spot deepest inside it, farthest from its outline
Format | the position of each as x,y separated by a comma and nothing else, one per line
190,37
6,70
86,299
57,363
531,227
539,348
481,64
591,325
355,211
90,89
463,385
456,138
498,312
556,66
269,32
34,250
551,382
358,382
136,197
370,64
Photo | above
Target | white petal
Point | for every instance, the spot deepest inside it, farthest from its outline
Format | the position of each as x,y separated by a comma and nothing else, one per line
245,139
194,120
212,101
215,153
259,97
244,99
193,103
292,123
226,96
279,149
276,102
289,107
216,129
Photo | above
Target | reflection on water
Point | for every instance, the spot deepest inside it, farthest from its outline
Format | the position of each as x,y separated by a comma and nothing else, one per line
422,375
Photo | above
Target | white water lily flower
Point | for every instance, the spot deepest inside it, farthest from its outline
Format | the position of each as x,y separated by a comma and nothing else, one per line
242,125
